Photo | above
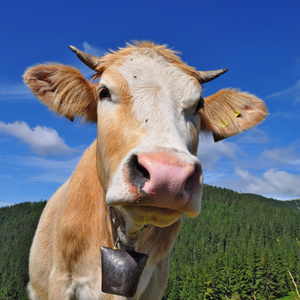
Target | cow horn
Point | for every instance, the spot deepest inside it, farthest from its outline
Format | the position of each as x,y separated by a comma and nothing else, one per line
90,60
207,76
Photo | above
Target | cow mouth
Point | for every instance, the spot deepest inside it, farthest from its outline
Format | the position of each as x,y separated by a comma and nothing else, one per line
157,216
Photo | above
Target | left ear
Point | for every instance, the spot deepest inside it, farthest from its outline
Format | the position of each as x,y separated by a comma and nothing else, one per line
229,112
64,90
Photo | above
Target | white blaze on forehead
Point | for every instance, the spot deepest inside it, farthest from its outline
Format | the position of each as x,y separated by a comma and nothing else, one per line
163,95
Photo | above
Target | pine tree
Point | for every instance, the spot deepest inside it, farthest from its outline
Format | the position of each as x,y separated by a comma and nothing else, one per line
269,283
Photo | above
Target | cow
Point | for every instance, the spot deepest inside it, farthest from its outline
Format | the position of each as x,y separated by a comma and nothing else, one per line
149,111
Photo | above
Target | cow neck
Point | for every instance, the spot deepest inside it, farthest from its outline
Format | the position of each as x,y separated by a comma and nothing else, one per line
123,240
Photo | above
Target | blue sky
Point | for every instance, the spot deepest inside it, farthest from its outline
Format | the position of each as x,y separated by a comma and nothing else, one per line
258,41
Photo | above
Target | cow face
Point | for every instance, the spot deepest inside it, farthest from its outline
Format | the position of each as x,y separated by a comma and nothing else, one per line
149,111
148,128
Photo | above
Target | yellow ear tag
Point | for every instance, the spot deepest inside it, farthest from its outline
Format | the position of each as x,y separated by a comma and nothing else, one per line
223,124
236,113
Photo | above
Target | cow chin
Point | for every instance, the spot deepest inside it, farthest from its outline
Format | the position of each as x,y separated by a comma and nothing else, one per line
157,216
143,209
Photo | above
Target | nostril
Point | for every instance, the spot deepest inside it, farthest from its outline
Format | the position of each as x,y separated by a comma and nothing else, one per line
142,170
137,173
193,181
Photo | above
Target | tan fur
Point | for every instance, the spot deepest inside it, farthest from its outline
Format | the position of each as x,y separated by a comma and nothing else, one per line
73,94
156,236
74,224
113,143
65,260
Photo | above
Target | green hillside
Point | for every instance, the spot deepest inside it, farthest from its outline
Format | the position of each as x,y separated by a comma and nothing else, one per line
295,203
241,246
17,227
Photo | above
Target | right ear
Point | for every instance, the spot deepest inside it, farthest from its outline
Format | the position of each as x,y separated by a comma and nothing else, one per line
64,90
229,112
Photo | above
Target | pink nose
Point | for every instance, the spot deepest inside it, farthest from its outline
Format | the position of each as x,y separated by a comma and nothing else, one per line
165,176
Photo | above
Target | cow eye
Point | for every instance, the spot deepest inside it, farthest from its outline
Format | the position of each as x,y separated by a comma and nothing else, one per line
200,104
104,93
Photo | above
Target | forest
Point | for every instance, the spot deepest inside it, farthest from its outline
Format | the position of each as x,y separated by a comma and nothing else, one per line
241,246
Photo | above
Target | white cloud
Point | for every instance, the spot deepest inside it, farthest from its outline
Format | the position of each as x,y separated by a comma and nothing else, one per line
46,163
289,156
14,91
88,48
210,152
281,115
50,170
38,169
272,183
2,204
292,93
32,178
286,155
41,139
274,174
253,136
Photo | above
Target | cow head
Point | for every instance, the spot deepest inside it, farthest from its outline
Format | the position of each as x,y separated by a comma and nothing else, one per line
149,111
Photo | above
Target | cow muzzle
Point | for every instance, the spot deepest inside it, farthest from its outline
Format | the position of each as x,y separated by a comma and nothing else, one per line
161,186
164,179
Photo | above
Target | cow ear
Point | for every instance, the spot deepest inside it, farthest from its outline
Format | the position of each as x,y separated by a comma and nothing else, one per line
229,112
64,90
